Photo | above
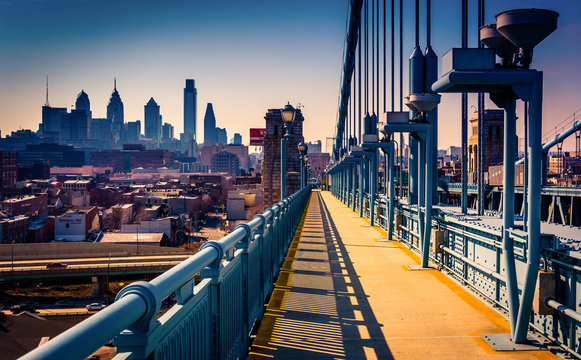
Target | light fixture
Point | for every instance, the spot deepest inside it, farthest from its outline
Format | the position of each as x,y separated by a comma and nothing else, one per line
288,113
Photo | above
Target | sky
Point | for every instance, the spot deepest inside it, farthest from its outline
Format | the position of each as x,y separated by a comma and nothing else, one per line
245,57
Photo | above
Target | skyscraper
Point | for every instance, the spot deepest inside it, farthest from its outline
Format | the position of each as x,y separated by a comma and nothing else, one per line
152,121
83,103
190,107
167,131
209,125
221,136
115,115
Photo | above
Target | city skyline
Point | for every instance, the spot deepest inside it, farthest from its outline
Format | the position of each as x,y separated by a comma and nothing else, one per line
238,62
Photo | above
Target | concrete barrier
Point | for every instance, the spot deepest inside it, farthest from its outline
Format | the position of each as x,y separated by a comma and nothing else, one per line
72,250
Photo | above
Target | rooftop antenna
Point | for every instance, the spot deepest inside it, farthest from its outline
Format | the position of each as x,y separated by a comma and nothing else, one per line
46,103
115,84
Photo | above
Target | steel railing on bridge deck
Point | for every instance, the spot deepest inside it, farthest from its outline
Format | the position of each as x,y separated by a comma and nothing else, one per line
210,320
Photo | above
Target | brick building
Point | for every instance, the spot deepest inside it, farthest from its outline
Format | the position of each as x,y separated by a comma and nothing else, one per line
225,162
7,169
131,157
41,230
76,224
493,133
271,162
13,229
319,162
30,205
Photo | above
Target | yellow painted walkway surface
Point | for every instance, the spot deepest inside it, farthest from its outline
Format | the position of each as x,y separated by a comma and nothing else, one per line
342,294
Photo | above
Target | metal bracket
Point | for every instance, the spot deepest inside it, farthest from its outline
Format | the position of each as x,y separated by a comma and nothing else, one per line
503,342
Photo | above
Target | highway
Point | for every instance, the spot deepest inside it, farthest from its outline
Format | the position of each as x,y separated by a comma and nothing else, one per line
30,269
72,261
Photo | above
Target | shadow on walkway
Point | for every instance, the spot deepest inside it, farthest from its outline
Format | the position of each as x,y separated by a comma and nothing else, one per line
319,309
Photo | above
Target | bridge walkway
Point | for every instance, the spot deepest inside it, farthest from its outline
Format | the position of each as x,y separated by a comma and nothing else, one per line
343,294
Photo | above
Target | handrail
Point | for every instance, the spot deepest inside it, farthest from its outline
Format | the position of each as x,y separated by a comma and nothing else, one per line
137,305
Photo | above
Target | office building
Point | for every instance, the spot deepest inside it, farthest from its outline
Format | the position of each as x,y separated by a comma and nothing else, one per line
115,115
190,107
52,118
315,147
133,131
83,103
209,125
152,121
53,154
237,139
225,162
221,136
167,131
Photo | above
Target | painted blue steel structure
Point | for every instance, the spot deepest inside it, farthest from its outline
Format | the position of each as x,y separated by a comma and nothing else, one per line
485,258
211,320
353,28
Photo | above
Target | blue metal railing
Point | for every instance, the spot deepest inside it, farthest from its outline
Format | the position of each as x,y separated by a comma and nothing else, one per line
210,320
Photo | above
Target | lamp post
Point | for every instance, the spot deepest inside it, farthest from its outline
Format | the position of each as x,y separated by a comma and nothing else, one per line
303,148
307,167
288,116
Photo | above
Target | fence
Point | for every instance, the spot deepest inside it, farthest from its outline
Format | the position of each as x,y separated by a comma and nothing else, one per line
211,320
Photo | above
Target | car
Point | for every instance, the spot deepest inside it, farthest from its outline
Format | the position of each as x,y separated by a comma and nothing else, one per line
63,304
29,306
56,265
95,307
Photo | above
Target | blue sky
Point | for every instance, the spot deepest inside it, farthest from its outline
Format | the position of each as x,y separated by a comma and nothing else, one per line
246,57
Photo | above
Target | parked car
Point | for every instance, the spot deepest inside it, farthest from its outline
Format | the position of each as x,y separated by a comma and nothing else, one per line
56,265
95,307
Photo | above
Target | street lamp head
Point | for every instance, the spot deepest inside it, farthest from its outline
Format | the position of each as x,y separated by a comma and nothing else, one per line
302,147
288,113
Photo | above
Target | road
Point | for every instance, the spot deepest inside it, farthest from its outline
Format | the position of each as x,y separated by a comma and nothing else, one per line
73,261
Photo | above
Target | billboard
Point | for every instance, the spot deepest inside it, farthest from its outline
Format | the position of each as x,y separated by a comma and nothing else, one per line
257,136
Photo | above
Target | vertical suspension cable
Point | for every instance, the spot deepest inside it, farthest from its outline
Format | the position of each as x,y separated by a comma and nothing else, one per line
377,54
401,92
428,24
366,50
384,57
392,55
400,55
417,23
480,158
359,85
373,55
464,169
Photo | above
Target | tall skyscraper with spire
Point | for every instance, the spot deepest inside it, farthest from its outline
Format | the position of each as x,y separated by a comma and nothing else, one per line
210,126
115,115
190,108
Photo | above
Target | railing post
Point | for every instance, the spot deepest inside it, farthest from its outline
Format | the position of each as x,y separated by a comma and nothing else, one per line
262,254
136,339
268,237
243,244
212,272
